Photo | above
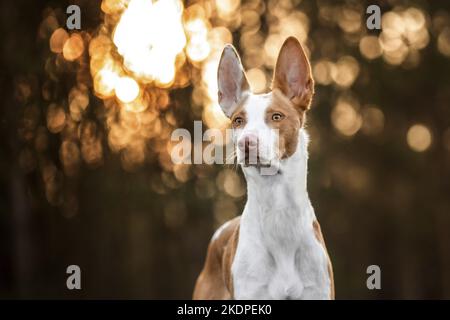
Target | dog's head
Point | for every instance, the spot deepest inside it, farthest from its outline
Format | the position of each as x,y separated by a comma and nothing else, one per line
266,126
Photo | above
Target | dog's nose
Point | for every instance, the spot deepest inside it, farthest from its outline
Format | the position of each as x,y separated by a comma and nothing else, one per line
248,142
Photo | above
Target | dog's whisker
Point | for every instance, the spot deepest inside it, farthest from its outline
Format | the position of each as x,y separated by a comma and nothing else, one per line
231,157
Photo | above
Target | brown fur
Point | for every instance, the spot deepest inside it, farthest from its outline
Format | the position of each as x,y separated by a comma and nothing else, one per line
215,281
287,127
319,236
239,112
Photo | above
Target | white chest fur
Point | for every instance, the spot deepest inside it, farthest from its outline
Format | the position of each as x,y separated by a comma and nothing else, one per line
278,255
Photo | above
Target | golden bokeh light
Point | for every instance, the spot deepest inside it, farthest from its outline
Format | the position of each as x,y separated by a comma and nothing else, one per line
350,19
197,47
105,82
343,73
443,42
57,40
69,155
127,89
370,47
73,47
229,181
347,70
225,8
56,118
149,36
372,120
403,31
346,118
419,137
257,79
78,102
91,145
113,6
324,72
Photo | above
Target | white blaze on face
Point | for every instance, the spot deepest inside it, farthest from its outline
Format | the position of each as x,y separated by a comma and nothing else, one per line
255,109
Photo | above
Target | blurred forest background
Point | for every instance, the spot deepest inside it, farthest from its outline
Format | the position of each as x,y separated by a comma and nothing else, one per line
86,119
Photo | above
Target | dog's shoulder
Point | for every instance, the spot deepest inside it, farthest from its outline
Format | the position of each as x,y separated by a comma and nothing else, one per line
232,235
224,232
319,237
215,281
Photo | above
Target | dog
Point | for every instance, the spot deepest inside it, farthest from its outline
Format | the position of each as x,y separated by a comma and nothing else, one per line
275,249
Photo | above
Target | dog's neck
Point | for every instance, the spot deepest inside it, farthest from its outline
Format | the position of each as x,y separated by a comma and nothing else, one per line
284,193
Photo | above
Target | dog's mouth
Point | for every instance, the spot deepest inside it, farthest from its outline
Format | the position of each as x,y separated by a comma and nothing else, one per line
258,162
263,166
258,165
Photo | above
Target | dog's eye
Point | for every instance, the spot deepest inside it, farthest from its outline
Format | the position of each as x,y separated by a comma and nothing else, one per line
238,121
277,117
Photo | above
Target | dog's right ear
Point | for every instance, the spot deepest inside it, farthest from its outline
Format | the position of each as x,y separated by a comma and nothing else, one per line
231,79
293,74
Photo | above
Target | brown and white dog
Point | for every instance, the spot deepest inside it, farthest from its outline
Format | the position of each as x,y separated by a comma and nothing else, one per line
275,250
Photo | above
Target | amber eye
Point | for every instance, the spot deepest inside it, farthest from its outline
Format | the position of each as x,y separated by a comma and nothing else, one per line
238,121
277,117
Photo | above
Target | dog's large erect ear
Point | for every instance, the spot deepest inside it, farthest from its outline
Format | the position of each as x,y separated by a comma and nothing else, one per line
231,80
293,74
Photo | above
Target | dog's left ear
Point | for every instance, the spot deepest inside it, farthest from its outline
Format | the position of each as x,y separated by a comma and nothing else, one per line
293,74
